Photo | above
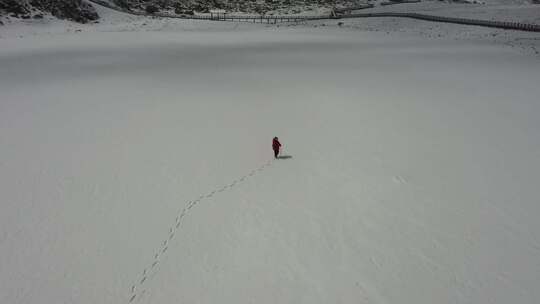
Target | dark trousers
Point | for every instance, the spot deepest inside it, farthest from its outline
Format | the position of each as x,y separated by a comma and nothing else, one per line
276,152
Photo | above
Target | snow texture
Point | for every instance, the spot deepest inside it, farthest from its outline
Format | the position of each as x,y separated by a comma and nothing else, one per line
135,164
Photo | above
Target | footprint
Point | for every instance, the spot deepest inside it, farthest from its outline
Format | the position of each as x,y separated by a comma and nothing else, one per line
399,180
185,210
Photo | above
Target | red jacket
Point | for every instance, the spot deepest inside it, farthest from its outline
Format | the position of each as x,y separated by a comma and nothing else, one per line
276,144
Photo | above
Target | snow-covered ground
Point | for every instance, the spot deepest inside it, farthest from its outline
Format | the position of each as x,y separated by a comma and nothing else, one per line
525,42
412,179
529,13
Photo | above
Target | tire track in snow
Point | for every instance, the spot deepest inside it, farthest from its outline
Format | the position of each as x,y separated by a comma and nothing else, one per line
152,269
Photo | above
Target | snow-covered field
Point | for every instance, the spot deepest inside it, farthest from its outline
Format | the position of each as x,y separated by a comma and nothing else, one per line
413,175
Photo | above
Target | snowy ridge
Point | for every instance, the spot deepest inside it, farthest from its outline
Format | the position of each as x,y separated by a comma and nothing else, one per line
464,21
74,10
152,269
343,13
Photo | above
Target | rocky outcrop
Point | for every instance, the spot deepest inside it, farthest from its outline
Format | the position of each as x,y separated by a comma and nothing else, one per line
245,6
14,8
75,10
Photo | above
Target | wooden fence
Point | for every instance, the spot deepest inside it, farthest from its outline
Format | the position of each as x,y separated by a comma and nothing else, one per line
486,23
335,14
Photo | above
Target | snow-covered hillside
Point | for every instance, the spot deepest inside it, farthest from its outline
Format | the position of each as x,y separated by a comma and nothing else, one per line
135,164
76,10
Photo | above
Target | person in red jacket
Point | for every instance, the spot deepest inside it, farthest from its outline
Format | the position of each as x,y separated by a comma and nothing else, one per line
276,145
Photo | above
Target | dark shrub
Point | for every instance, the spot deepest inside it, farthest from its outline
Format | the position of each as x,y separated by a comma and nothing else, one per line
122,3
14,7
152,9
